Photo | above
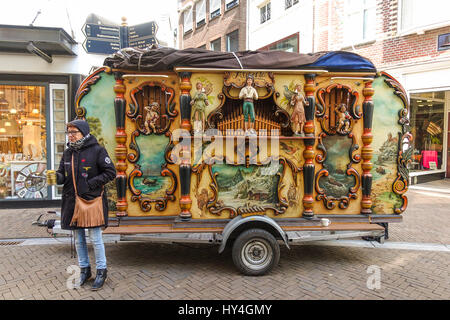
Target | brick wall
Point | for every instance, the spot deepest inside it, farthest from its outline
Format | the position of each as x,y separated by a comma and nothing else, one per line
321,25
389,47
228,21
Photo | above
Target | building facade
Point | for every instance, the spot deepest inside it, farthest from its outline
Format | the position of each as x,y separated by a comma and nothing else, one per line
41,69
281,25
218,25
410,40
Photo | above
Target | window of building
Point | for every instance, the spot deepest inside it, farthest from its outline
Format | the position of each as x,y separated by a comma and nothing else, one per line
200,13
229,4
216,45
289,3
59,118
202,47
289,44
214,8
265,12
187,24
419,13
359,23
23,139
427,127
444,42
233,41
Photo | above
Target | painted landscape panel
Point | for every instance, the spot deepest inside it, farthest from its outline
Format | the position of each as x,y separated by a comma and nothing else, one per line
151,159
337,183
239,185
385,131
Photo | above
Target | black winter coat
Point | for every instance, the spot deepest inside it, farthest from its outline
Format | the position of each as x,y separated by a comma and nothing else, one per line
93,169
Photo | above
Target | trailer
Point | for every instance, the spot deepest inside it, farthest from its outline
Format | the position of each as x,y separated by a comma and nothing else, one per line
249,150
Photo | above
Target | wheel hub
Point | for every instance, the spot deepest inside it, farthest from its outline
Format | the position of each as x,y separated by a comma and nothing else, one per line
256,254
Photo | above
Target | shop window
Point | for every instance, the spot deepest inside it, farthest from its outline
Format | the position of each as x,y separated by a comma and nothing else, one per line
427,127
265,12
216,45
23,158
233,41
58,117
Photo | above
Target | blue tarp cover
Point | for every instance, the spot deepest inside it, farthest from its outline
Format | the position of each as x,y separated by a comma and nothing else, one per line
343,60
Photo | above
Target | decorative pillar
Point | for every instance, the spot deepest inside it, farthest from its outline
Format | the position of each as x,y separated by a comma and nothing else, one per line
308,153
185,164
185,100
121,149
367,150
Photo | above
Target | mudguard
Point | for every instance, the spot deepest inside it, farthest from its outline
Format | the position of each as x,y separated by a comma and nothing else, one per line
239,221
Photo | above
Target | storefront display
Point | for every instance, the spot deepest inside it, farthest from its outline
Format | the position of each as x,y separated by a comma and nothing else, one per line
23,155
427,126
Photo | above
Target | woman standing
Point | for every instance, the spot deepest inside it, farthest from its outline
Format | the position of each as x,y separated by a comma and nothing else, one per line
92,169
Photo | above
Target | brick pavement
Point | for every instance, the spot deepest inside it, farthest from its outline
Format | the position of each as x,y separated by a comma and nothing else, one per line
157,271
16,223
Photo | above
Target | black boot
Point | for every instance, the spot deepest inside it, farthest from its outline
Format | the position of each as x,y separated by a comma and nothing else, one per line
99,279
85,274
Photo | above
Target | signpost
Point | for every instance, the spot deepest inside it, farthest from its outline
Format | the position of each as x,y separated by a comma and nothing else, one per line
142,35
104,39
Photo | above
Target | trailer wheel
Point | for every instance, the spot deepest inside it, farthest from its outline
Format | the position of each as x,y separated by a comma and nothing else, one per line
255,252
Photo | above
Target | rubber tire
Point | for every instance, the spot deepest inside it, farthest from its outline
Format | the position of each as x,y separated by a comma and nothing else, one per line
261,238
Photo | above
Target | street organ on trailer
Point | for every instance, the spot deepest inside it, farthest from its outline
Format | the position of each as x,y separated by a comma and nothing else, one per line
248,148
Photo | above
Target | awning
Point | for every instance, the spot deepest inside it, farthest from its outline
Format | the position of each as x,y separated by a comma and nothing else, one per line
42,41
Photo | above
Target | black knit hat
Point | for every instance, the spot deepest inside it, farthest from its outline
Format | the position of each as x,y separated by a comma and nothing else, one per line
81,125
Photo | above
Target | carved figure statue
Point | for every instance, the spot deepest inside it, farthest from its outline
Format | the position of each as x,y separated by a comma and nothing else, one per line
202,200
298,118
292,195
199,102
249,94
343,119
151,116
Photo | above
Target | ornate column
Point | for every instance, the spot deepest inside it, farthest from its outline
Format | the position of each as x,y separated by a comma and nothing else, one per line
185,164
367,151
185,100
121,148
308,153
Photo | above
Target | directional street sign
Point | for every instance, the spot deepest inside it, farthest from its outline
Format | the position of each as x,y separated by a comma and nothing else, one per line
101,39
104,39
101,31
142,30
143,43
101,46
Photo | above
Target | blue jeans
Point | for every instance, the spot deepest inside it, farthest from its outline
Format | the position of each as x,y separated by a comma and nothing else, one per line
99,247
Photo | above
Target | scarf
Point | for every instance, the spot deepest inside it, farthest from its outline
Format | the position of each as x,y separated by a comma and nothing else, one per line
79,143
